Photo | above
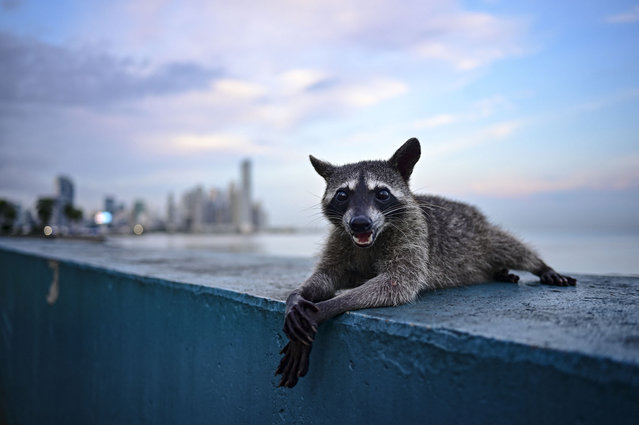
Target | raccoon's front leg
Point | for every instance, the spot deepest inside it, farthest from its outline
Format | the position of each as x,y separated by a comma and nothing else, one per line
380,291
300,324
294,364
384,290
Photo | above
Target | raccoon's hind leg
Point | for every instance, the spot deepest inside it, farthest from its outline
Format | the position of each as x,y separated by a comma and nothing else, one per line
551,277
509,253
504,276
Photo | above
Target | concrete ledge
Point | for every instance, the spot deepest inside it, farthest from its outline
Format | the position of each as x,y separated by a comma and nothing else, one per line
90,334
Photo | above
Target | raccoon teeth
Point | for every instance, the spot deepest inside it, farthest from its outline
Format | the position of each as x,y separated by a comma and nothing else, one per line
363,238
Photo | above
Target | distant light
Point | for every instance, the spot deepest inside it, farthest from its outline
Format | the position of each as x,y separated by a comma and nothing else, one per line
103,217
138,229
48,230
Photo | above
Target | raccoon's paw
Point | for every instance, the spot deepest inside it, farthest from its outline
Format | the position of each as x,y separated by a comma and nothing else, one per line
503,276
294,364
300,323
551,277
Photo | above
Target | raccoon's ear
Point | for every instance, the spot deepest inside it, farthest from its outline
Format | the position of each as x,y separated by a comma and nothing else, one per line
323,168
406,157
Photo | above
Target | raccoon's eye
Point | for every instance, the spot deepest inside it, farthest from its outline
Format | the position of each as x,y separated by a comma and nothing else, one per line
382,195
341,196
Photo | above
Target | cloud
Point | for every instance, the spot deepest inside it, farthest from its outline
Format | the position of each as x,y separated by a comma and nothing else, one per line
609,100
37,72
627,17
246,35
295,81
284,64
295,104
480,109
624,175
281,102
189,144
486,135
461,56
369,93
489,106
148,93
469,40
435,121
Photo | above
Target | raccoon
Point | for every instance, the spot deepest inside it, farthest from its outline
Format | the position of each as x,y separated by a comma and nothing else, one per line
387,244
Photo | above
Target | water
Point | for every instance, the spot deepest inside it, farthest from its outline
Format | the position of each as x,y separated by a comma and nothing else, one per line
305,245
570,253
589,253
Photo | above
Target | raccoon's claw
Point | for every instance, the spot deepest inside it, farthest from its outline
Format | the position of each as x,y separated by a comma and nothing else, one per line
504,276
294,364
551,277
300,324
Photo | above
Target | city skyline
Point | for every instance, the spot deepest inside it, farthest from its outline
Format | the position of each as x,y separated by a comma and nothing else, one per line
216,210
527,109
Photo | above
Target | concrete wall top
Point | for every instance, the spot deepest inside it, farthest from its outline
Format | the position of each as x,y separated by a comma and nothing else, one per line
595,322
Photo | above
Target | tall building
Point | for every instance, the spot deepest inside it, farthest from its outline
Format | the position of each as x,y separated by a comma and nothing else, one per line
109,205
65,190
234,205
193,205
140,214
64,197
171,214
245,224
219,210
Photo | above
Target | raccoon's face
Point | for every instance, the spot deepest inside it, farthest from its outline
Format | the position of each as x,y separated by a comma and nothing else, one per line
363,206
366,197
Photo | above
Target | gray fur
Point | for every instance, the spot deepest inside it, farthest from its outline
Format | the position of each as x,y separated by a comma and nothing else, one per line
422,243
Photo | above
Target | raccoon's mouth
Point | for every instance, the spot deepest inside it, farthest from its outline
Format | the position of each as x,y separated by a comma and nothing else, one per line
364,239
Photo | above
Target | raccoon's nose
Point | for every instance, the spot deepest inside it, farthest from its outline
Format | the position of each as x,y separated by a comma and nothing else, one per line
361,224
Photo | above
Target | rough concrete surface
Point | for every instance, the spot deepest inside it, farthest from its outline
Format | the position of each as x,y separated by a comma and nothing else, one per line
599,317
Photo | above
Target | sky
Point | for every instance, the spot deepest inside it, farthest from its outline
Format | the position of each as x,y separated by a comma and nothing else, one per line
529,109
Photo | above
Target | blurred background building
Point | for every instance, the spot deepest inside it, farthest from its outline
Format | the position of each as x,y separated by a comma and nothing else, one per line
196,210
218,210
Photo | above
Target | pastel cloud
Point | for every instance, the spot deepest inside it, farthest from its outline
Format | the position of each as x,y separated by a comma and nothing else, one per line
37,72
435,121
282,102
626,17
270,66
277,32
616,174
160,91
190,144
489,134
479,110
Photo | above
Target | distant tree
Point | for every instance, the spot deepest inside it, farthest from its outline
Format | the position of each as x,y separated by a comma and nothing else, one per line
44,207
7,216
73,214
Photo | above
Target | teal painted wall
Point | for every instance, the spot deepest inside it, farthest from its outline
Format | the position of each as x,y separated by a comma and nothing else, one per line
116,348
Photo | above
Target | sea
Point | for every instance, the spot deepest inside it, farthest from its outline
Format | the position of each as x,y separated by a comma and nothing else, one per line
602,254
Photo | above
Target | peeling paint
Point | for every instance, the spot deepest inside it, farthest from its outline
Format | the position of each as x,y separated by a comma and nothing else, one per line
54,289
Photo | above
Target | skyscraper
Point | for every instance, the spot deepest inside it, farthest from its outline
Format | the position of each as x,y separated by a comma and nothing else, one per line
109,205
64,198
245,205
193,206
171,214
65,190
